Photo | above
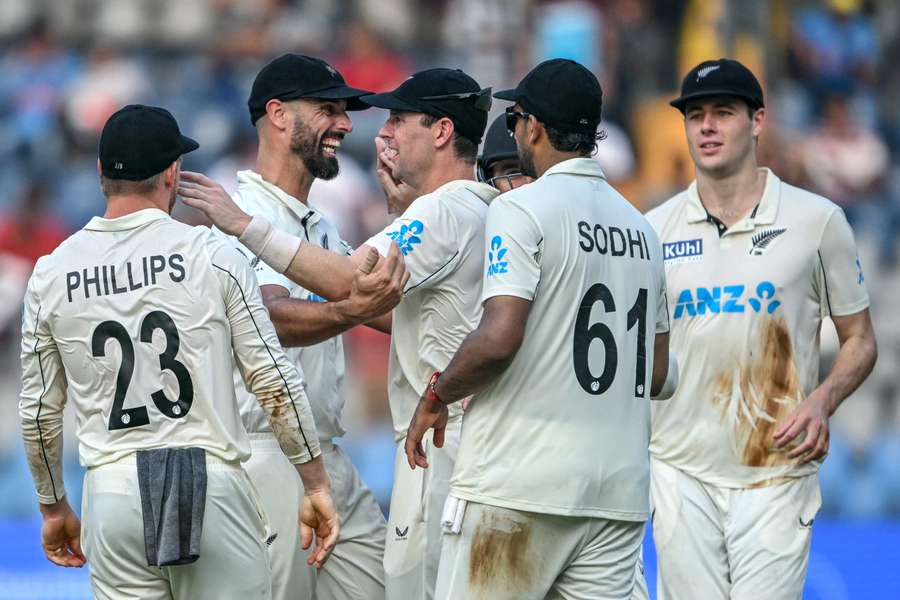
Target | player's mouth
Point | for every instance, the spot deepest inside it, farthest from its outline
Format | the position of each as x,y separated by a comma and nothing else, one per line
330,146
710,148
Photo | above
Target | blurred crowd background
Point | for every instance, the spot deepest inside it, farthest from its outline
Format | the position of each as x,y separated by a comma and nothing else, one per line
829,69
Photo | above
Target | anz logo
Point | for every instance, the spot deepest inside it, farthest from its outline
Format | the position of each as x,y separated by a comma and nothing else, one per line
496,257
407,237
726,299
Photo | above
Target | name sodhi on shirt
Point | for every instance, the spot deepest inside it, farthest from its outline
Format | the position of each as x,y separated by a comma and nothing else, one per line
615,241
105,280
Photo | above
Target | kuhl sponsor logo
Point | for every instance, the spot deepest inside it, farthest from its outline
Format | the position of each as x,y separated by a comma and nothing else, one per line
683,251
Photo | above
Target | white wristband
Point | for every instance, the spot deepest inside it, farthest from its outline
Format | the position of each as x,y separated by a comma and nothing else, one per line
274,247
671,383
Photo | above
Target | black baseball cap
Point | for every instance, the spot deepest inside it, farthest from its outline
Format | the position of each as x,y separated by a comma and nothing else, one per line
560,93
293,76
723,77
441,93
140,141
498,144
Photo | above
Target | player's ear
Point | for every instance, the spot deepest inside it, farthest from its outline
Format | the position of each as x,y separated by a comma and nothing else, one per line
277,114
170,175
758,120
443,133
99,167
534,129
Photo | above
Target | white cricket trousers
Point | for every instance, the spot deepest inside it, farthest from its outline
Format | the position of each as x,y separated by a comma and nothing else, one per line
233,559
413,546
506,554
731,543
354,570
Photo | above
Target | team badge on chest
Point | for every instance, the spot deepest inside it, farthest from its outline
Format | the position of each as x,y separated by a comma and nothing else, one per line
764,240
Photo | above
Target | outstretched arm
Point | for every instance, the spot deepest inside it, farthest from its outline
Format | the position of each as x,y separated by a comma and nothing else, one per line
372,286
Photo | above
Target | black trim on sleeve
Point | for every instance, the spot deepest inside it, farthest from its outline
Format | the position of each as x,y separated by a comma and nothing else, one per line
411,288
825,279
272,356
37,418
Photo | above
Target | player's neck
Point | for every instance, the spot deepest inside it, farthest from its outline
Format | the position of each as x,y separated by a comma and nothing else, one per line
729,197
120,206
444,173
544,161
285,171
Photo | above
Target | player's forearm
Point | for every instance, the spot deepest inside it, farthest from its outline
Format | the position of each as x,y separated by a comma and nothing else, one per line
313,475
301,323
43,441
478,362
382,323
854,362
287,409
321,271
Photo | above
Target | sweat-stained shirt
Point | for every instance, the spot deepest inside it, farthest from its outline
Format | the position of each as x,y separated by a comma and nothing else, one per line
747,305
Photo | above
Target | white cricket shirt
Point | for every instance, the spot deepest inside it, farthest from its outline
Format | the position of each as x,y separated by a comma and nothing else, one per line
137,318
564,429
746,309
441,235
322,363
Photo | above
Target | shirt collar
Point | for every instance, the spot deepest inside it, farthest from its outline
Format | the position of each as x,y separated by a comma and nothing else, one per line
126,222
485,192
303,211
763,214
577,166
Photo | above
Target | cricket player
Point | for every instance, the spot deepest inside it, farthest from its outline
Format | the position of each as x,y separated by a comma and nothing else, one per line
299,105
426,162
498,165
550,491
138,319
753,266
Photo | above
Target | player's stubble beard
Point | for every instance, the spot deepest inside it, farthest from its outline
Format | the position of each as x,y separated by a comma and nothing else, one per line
526,160
305,145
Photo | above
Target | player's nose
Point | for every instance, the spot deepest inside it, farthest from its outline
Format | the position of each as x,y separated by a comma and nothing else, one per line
343,122
386,131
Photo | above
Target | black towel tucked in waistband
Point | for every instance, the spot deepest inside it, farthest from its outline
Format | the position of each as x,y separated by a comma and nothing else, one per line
173,496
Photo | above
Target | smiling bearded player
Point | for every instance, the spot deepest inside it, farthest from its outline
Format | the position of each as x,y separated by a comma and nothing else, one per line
298,105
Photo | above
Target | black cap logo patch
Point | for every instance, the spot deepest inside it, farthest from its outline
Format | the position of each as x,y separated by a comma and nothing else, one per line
706,71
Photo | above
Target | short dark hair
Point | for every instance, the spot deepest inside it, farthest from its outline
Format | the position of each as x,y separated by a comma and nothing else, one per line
121,187
582,142
466,150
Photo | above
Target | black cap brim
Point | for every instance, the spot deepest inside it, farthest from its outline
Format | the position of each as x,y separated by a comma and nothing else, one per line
188,144
511,95
351,94
681,102
390,101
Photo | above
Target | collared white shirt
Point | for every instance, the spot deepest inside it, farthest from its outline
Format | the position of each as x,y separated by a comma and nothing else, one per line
322,363
441,235
564,429
746,306
136,319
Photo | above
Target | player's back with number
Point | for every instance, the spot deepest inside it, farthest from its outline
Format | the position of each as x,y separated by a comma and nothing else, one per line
138,314
579,387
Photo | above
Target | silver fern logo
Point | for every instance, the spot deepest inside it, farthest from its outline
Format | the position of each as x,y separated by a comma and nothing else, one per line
764,239
706,71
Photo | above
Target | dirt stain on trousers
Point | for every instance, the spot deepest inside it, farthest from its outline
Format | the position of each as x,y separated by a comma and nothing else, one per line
501,556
